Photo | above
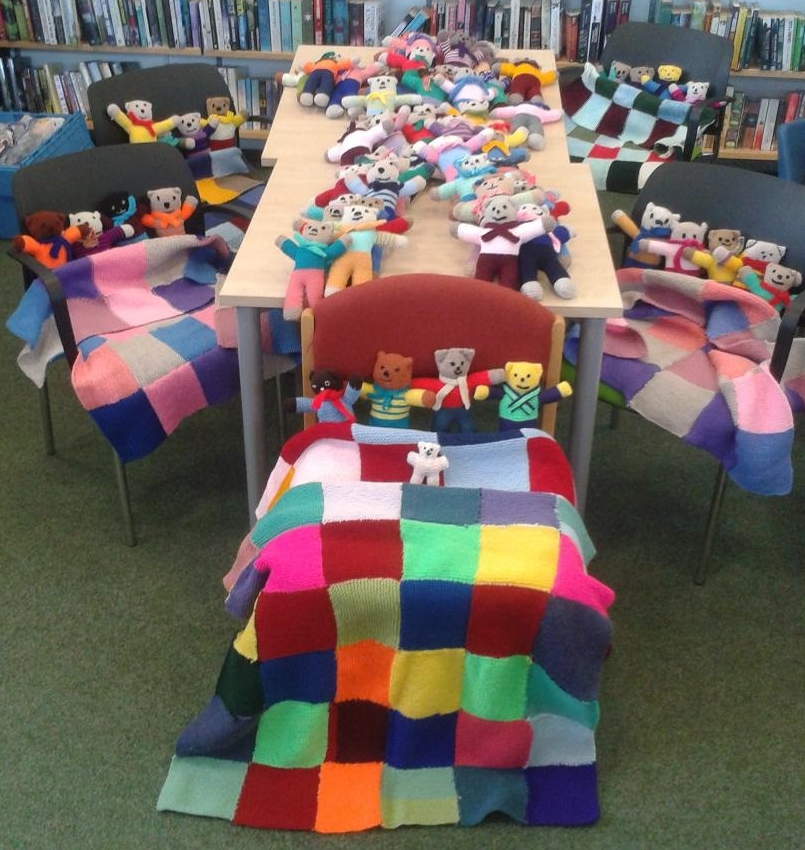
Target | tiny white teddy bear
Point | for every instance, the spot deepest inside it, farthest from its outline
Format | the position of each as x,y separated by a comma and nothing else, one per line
427,463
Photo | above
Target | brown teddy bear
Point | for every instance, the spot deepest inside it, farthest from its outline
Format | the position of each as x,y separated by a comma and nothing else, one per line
48,240
228,122
390,394
332,400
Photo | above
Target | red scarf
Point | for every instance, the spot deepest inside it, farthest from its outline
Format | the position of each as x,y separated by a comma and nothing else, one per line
778,296
504,230
142,122
334,397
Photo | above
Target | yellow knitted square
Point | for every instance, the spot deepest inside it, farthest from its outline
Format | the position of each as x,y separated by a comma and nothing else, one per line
426,682
523,555
246,640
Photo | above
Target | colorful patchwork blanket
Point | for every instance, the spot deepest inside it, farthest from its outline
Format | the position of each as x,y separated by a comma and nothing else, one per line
221,175
143,317
622,132
693,357
412,655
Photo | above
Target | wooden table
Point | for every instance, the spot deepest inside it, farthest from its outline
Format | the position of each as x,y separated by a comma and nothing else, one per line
295,148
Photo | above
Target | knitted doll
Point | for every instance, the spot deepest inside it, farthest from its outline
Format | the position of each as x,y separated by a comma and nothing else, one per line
332,401
320,78
774,286
541,254
358,140
520,185
168,212
454,388
381,97
138,121
462,188
312,249
520,395
191,136
428,463
721,260
526,79
219,109
444,152
499,236
684,234
656,222
530,117
382,180
49,240
667,75
349,82
390,393
103,233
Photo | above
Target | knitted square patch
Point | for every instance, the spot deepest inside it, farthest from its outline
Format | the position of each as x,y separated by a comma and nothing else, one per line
363,671
367,609
427,682
422,742
438,551
434,614
562,796
172,407
504,620
273,798
299,553
288,623
425,797
349,797
292,734
361,550
520,555
492,743
544,696
306,677
357,732
385,462
483,791
495,688
441,504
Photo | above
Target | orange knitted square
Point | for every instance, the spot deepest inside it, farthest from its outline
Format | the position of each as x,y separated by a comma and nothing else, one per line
363,671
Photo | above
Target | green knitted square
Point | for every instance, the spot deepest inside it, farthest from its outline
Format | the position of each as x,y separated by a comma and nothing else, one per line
420,796
302,505
447,552
495,688
292,734
203,786
544,696
367,609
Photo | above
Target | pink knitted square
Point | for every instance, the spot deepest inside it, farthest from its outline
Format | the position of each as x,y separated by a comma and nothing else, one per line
572,582
102,378
298,551
170,406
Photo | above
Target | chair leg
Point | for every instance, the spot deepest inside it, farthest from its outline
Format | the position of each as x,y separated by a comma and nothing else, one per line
47,419
712,522
125,501
280,412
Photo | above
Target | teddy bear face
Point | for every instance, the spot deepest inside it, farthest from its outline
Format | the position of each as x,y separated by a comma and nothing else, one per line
530,212
382,82
322,232
189,123
669,73
657,216
44,224
781,277
696,91
384,170
428,450
454,72
142,109
358,214
766,252
392,371
639,72
421,52
218,105
422,112
116,204
689,230
619,70
498,209
92,218
453,363
723,238
494,184
324,379
472,164
522,376
165,200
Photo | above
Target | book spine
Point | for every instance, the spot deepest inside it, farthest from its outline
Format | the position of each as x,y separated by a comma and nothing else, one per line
296,24
371,23
340,22
263,25
355,24
285,25
318,21
328,21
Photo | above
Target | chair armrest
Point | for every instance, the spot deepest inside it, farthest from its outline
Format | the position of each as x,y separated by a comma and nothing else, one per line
792,319
34,269
264,120
694,121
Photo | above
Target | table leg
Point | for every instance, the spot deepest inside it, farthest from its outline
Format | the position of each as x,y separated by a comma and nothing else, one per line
585,399
253,403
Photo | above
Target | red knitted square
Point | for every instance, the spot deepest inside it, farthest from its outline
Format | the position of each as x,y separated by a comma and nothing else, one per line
492,743
278,798
361,549
504,619
386,462
357,732
548,468
602,152
290,623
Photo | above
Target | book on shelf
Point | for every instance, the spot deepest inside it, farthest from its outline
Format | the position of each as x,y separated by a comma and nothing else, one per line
372,22
762,113
571,34
355,24
545,24
286,44
770,125
296,23
749,121
593,42
610,20
737,34
664,12
585,12
5,89
404,21
318,21
340,22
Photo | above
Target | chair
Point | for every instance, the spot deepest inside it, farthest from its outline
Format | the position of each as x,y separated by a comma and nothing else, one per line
600,122
416,314
760,206
791,151
78,181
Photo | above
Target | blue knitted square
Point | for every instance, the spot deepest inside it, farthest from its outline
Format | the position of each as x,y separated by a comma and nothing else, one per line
306,677
482,791
440,504
427,742
187,337
434,614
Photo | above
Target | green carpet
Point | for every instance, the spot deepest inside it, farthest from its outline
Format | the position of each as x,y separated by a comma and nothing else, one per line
109,651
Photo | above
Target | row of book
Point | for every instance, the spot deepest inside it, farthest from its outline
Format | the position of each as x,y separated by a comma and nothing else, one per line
263,25
751,122
761,38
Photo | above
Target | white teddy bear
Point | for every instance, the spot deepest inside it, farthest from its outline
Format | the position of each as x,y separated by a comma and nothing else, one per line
427,463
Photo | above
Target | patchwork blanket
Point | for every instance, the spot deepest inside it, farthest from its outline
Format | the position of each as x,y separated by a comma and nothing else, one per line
412,655
143,317
622,132
693,357
221,175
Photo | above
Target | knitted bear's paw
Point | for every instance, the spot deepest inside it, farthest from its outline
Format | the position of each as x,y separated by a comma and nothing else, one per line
334,110
533,289
292,314
536,141
564,288
321,99
306,98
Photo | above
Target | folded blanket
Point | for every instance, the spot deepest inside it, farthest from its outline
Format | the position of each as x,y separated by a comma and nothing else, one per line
413,655
623,132
693,357
143,317
221,175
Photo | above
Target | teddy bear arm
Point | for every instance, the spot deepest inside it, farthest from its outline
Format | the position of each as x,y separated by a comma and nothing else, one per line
657,246
287,246
166,125
469,233
420,397
353,101
530,229
701,258
123,121
335,250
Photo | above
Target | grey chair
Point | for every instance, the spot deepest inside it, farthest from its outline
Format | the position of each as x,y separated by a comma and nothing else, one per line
791,151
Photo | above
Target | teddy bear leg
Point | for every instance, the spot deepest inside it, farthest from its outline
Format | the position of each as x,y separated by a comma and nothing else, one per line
516,91
362,268
313,287
292,307
533,126
533,289
338,276
508,274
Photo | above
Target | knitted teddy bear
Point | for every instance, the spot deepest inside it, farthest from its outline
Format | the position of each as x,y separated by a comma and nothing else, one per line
684,234
758,253
138,121
49,240
445,151
312,248
428,463
454,388
382,180
390,393
320,78
519,184
774,286
381,97
530,117
656,222
721,261
618,71
499,236
190,134
358,140
349,82
541,254
456,47
526,79
462,188
219,109
103,234
690,92
332,401
666,76
168,212
520,395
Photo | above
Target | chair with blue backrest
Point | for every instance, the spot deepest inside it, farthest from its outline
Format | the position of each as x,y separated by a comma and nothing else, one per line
791,151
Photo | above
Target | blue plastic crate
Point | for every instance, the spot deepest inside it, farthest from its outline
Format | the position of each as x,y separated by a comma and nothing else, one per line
71,136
